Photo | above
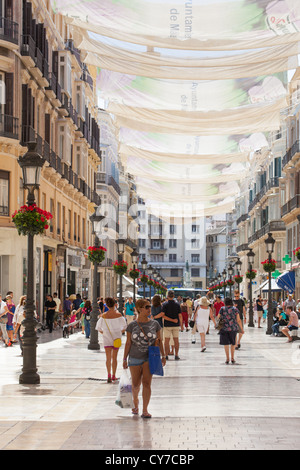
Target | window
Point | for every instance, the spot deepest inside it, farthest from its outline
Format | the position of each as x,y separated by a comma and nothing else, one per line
83,231
195,228
63,220
65,73
156,244
195,243
174,273
157,258
172,229
195,258
195,272
172,243
52,212
156,229
4,193
58,218
172,257
142,243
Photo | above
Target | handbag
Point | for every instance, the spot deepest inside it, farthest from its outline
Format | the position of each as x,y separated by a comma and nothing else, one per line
155,364
117,343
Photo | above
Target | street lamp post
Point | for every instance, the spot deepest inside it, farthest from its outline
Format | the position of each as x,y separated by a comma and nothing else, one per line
144,267
219,280
121,250
270,242
230,272
94,337
31,164
251,256
134,257
224,274
238,265
155,277
150,272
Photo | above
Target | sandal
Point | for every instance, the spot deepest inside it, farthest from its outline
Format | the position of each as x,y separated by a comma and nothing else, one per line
146,416
135,411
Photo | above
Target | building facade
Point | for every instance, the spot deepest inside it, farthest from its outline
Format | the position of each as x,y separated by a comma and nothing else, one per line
48,97
270,200
175,248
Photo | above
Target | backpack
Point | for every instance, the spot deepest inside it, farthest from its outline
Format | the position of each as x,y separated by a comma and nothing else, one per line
87,314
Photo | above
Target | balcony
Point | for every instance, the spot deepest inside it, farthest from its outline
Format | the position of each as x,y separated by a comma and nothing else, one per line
86,77
9,31
242,218
112,182
34,60
243,247
291,205
9,127
272,183
53,90
274,226
291,153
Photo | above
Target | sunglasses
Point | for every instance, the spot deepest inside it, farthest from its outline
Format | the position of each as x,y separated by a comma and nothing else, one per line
147,306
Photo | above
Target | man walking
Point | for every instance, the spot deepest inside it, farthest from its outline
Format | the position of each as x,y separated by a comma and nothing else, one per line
172,323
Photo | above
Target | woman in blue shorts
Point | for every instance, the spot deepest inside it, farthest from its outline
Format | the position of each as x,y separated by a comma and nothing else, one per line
141,334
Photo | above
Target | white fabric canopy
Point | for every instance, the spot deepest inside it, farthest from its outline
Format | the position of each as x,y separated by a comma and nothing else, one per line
193,73
259,118
181,95
192,24
188,114
158,59
186,159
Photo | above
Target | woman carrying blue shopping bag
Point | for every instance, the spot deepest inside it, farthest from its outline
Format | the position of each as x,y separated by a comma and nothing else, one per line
142,335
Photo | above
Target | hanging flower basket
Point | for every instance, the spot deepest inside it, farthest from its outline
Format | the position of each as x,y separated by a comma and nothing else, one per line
238,279
134,273
144,279
269,266
297,253
251,274
96,254
150,282
230,282
31,220
120,267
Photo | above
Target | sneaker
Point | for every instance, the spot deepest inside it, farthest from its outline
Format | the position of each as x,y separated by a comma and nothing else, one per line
203,349
177,358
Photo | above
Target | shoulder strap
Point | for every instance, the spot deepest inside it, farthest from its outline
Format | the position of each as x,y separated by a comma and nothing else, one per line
144,333
108,327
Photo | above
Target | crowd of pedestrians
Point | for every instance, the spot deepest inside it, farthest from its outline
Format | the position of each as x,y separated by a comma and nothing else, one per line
156,322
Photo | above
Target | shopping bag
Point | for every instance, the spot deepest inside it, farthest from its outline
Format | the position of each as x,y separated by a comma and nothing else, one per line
155,364
124,396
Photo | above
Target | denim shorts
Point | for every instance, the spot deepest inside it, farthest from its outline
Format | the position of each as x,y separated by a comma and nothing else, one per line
9,328
132,361
292,327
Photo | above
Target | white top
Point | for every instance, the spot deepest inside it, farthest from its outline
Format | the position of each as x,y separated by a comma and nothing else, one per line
111,328
203,316
2,305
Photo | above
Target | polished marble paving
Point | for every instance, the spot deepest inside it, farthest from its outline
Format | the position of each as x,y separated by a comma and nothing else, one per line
201,403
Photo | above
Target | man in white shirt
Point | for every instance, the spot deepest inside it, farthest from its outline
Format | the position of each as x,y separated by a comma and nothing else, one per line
3,321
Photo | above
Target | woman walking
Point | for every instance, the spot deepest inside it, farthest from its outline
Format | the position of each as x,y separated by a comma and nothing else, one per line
231,322
156,309
112,325
202,315
86,314
141,334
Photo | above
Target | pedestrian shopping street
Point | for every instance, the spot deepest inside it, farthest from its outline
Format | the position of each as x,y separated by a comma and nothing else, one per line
201,403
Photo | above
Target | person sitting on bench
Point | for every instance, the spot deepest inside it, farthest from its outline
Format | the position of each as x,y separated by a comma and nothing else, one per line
293,323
